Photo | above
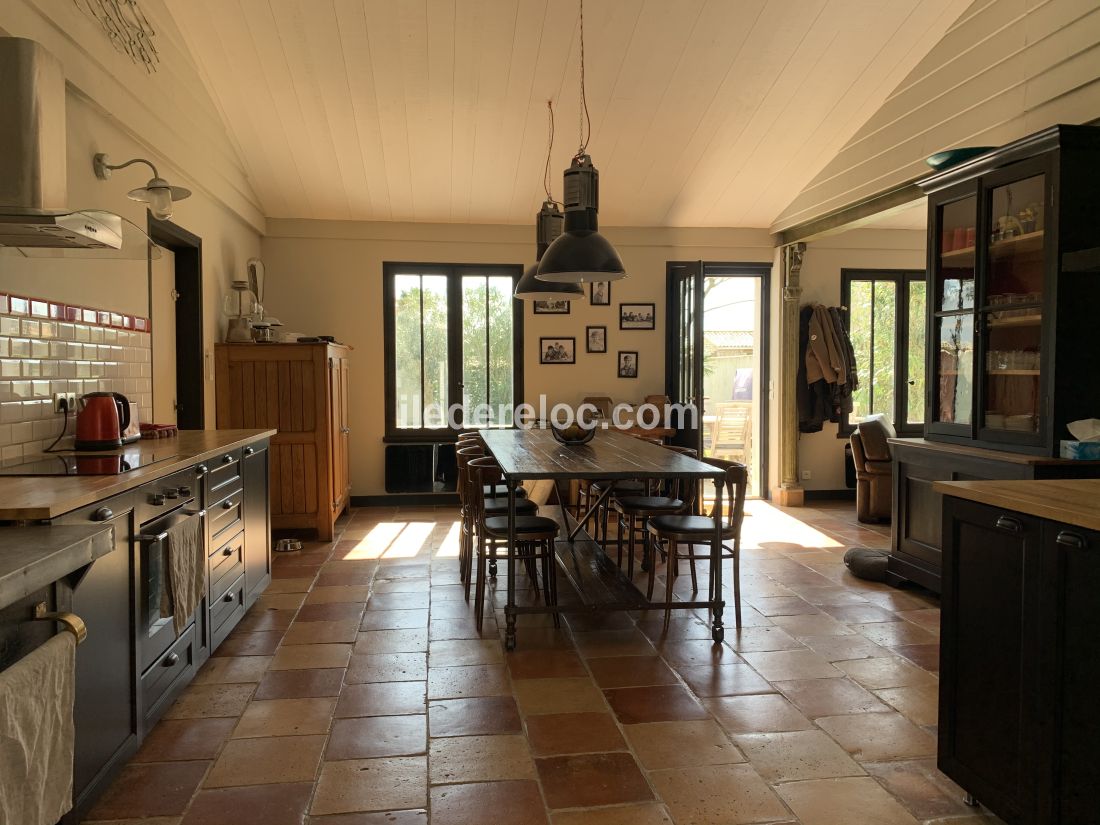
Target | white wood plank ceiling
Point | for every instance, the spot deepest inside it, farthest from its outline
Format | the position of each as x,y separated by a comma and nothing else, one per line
704,112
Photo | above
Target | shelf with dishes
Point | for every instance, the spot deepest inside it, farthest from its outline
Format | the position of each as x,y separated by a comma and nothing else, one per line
1029,320
1011,372
1026,244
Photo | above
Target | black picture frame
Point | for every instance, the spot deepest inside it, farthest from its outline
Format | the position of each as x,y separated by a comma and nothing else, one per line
625,370
588,339
551,307
602,299
648,319
568,350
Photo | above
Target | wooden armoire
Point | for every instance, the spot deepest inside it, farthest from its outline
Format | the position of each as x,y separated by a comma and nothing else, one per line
301,390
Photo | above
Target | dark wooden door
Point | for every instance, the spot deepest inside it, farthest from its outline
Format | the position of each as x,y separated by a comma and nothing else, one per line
683,346
988,652
257,521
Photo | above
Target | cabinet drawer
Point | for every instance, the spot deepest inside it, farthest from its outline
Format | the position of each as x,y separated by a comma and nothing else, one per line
226,563
226,612
174,665
222,472
226,516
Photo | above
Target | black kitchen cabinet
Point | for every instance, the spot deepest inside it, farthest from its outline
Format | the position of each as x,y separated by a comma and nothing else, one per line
1017,725
257,522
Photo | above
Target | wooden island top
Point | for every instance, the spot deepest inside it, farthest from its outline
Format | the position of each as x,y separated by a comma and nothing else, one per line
1073,501
46,497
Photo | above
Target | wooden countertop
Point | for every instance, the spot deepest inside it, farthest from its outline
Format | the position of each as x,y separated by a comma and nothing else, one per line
982,452
1069,500
46,497
33,557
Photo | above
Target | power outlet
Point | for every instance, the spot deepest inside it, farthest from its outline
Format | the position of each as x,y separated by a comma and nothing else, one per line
807,475
68,397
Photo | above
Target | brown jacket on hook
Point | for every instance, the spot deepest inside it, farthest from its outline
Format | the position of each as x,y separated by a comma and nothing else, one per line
826,355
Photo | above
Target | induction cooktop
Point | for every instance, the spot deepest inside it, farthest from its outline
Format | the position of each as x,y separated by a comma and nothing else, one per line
84,464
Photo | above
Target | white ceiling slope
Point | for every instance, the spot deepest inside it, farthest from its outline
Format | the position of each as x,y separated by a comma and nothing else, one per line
704,112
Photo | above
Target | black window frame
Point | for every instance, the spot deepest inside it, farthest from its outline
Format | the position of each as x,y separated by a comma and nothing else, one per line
901,278
454,273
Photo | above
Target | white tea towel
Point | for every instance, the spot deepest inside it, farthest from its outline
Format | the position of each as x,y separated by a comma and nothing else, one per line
186,570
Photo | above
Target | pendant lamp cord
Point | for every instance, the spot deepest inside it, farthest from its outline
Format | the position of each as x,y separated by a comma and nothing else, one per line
549,151
583,117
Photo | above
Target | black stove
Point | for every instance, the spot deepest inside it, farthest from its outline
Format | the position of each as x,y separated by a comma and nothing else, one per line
85,464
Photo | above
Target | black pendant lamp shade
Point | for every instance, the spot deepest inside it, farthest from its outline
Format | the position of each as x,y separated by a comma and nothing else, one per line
548,225
581,254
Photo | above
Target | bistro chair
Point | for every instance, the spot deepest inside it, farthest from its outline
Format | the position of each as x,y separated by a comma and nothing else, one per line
535,536
681,533
731,434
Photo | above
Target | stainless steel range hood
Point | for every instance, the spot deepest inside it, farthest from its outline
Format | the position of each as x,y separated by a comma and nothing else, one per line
33,184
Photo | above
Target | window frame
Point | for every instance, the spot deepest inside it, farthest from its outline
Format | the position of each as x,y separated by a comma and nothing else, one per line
454,274
901,278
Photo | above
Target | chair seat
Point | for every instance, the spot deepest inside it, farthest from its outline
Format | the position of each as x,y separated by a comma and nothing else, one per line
646,505
499,506
497,526
700,526
500,490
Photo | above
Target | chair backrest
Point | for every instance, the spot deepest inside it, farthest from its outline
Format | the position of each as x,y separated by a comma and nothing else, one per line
463,455
683,488
874,433
735,486
482,471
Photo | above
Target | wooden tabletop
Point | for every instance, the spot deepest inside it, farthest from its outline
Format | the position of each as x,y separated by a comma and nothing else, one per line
46,497
534,454
1068,500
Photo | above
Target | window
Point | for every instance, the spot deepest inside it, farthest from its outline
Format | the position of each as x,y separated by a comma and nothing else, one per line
453,335
886,323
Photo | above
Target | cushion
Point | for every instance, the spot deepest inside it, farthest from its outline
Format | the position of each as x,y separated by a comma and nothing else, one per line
874,432
640,503
867,564
703,526
498,525
499,506
501,489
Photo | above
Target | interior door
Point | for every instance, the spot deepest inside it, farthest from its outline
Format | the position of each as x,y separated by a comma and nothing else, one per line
683,356
162,291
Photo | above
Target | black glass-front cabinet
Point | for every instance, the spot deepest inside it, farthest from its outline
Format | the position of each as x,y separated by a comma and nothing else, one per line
1015,333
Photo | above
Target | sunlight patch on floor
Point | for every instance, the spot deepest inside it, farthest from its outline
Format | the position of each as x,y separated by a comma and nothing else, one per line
768,525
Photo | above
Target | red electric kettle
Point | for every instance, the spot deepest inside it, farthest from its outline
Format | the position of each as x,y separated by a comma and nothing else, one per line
101,420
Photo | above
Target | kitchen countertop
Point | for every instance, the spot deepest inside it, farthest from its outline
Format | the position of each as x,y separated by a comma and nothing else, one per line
982,452
1071,501
33,557
46,497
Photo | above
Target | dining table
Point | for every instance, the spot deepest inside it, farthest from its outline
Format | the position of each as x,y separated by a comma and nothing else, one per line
609,457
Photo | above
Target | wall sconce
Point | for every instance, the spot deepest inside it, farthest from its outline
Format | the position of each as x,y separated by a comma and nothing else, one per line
158,193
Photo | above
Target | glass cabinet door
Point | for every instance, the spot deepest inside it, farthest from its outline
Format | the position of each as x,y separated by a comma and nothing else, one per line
953,311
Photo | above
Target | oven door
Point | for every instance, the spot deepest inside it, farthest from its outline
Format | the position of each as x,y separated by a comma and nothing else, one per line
156,626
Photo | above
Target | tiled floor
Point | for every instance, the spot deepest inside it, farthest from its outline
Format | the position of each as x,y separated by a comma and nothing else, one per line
357,692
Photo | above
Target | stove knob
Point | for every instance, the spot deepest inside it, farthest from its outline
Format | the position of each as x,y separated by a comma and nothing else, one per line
156,499
184,491
170,492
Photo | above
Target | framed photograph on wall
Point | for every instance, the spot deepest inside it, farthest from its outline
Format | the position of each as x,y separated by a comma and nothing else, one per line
637,316
551,307
628,364
595,339
599,293
557,350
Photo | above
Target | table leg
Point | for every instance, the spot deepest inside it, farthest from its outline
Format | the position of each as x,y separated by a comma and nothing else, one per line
718,632
584,519
510,605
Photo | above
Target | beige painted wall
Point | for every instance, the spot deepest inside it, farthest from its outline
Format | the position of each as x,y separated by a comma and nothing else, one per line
326,277
823,453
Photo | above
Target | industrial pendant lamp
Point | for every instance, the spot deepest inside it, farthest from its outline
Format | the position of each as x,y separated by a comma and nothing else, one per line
548,224
158,192
581,254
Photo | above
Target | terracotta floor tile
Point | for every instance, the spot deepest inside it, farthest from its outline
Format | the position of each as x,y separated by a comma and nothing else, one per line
924,791
398,601
417,585
817,624
764,713
841,648
679,652
283,585
260,643
886,672
871,737
895,633
458,652
724,680
685,628
843,801
482,715
184,739
630,671
381,699
304,657
374,736
257,805
330,612
350,577
830,697
479,759
416,816
925,656
919,704
351,594
589,780
790,756
392,641
394,620
472,680
258,618
752,639
387,667
300,684
783,606
555,734
279,601
200,701
266,761
544,664
224,670
439,629
665,703
681,744
457,610
729,794
859,613
320,633
141,791
597,643
285,717
579,695
483,802
371,785
927,617
623,815
784,665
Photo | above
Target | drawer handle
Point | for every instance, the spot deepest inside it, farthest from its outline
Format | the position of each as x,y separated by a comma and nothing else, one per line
201,470
228,551
249,450
103,514
227,459
228,504
171,660
228,597
1009,524
1068,539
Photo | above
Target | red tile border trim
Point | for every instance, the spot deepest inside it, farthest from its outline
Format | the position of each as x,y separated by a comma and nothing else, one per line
51,311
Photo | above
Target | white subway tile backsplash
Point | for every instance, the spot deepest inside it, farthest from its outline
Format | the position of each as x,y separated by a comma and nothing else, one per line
9,326
20,348
29,328
10,368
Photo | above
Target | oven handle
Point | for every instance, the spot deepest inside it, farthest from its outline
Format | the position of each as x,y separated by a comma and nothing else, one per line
154,538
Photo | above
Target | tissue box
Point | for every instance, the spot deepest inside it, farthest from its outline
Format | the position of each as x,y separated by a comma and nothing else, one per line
1081,450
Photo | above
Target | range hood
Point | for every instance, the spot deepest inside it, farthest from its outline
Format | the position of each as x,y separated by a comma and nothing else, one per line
33,184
